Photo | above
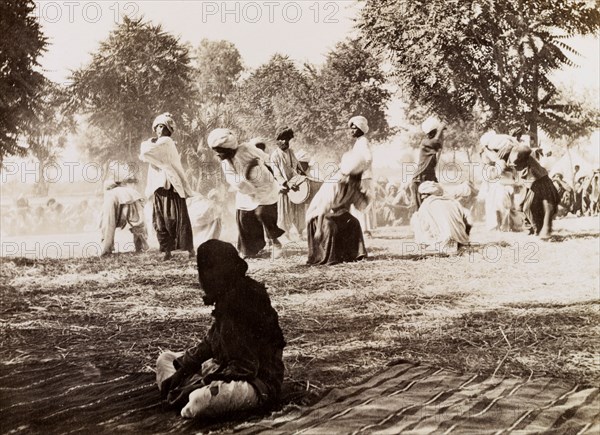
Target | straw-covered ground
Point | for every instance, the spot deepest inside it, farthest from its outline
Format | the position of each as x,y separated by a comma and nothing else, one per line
510,306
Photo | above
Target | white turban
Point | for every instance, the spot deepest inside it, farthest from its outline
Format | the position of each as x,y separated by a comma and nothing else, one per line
360,122
165,119
430,124
496,142
303,156
430,188
486,138
353,163
222,137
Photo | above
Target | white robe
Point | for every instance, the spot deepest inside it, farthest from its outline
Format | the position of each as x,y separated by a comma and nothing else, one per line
165,167
366,217
262,189
440,222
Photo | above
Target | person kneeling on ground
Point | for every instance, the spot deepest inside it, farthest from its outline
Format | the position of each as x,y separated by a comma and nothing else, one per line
440,223
541,199
238,365
123,205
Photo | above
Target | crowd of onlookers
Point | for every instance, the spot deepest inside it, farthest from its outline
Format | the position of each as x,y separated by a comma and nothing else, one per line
51,217
393,201
581,198
392,205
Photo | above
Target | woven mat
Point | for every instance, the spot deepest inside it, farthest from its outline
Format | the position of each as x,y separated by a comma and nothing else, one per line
66,398
412,399
405,398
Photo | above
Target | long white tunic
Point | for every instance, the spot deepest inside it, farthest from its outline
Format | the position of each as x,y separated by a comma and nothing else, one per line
440,221
262,189
165,167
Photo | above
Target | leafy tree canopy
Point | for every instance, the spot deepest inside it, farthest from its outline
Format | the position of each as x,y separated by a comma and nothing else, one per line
48,128
21,44
218,65
316,102
137,73
488,60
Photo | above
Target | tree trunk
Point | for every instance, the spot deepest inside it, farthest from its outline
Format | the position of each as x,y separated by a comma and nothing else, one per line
41,187
533,125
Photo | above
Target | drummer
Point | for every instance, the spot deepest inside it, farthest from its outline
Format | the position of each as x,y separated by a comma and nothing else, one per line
288,171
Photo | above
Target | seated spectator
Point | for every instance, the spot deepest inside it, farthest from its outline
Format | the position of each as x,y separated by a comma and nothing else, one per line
238,365
390,210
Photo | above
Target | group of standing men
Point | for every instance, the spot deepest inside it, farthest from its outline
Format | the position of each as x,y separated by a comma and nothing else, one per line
262,184
263,206
339,214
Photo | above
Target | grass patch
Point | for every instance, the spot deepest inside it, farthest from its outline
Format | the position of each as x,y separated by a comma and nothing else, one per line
530,310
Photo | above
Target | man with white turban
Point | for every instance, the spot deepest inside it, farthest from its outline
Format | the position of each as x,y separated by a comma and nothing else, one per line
359,127
257,192
430,148
334,234
441,224
168,186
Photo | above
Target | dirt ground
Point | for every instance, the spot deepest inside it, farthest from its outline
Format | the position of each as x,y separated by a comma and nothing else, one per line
510,305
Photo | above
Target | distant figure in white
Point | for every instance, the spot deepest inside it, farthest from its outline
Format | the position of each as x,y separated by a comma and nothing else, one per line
498,186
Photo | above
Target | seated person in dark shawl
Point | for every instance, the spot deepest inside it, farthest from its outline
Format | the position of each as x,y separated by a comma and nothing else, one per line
238,365
335,235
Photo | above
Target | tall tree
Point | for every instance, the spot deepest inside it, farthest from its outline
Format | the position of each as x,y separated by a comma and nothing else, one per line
21,44
137,73
350,83
264,97
316,102
486,59
217,65
47,130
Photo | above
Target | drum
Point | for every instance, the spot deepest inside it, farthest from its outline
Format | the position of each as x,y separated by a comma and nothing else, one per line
299,189
307,189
